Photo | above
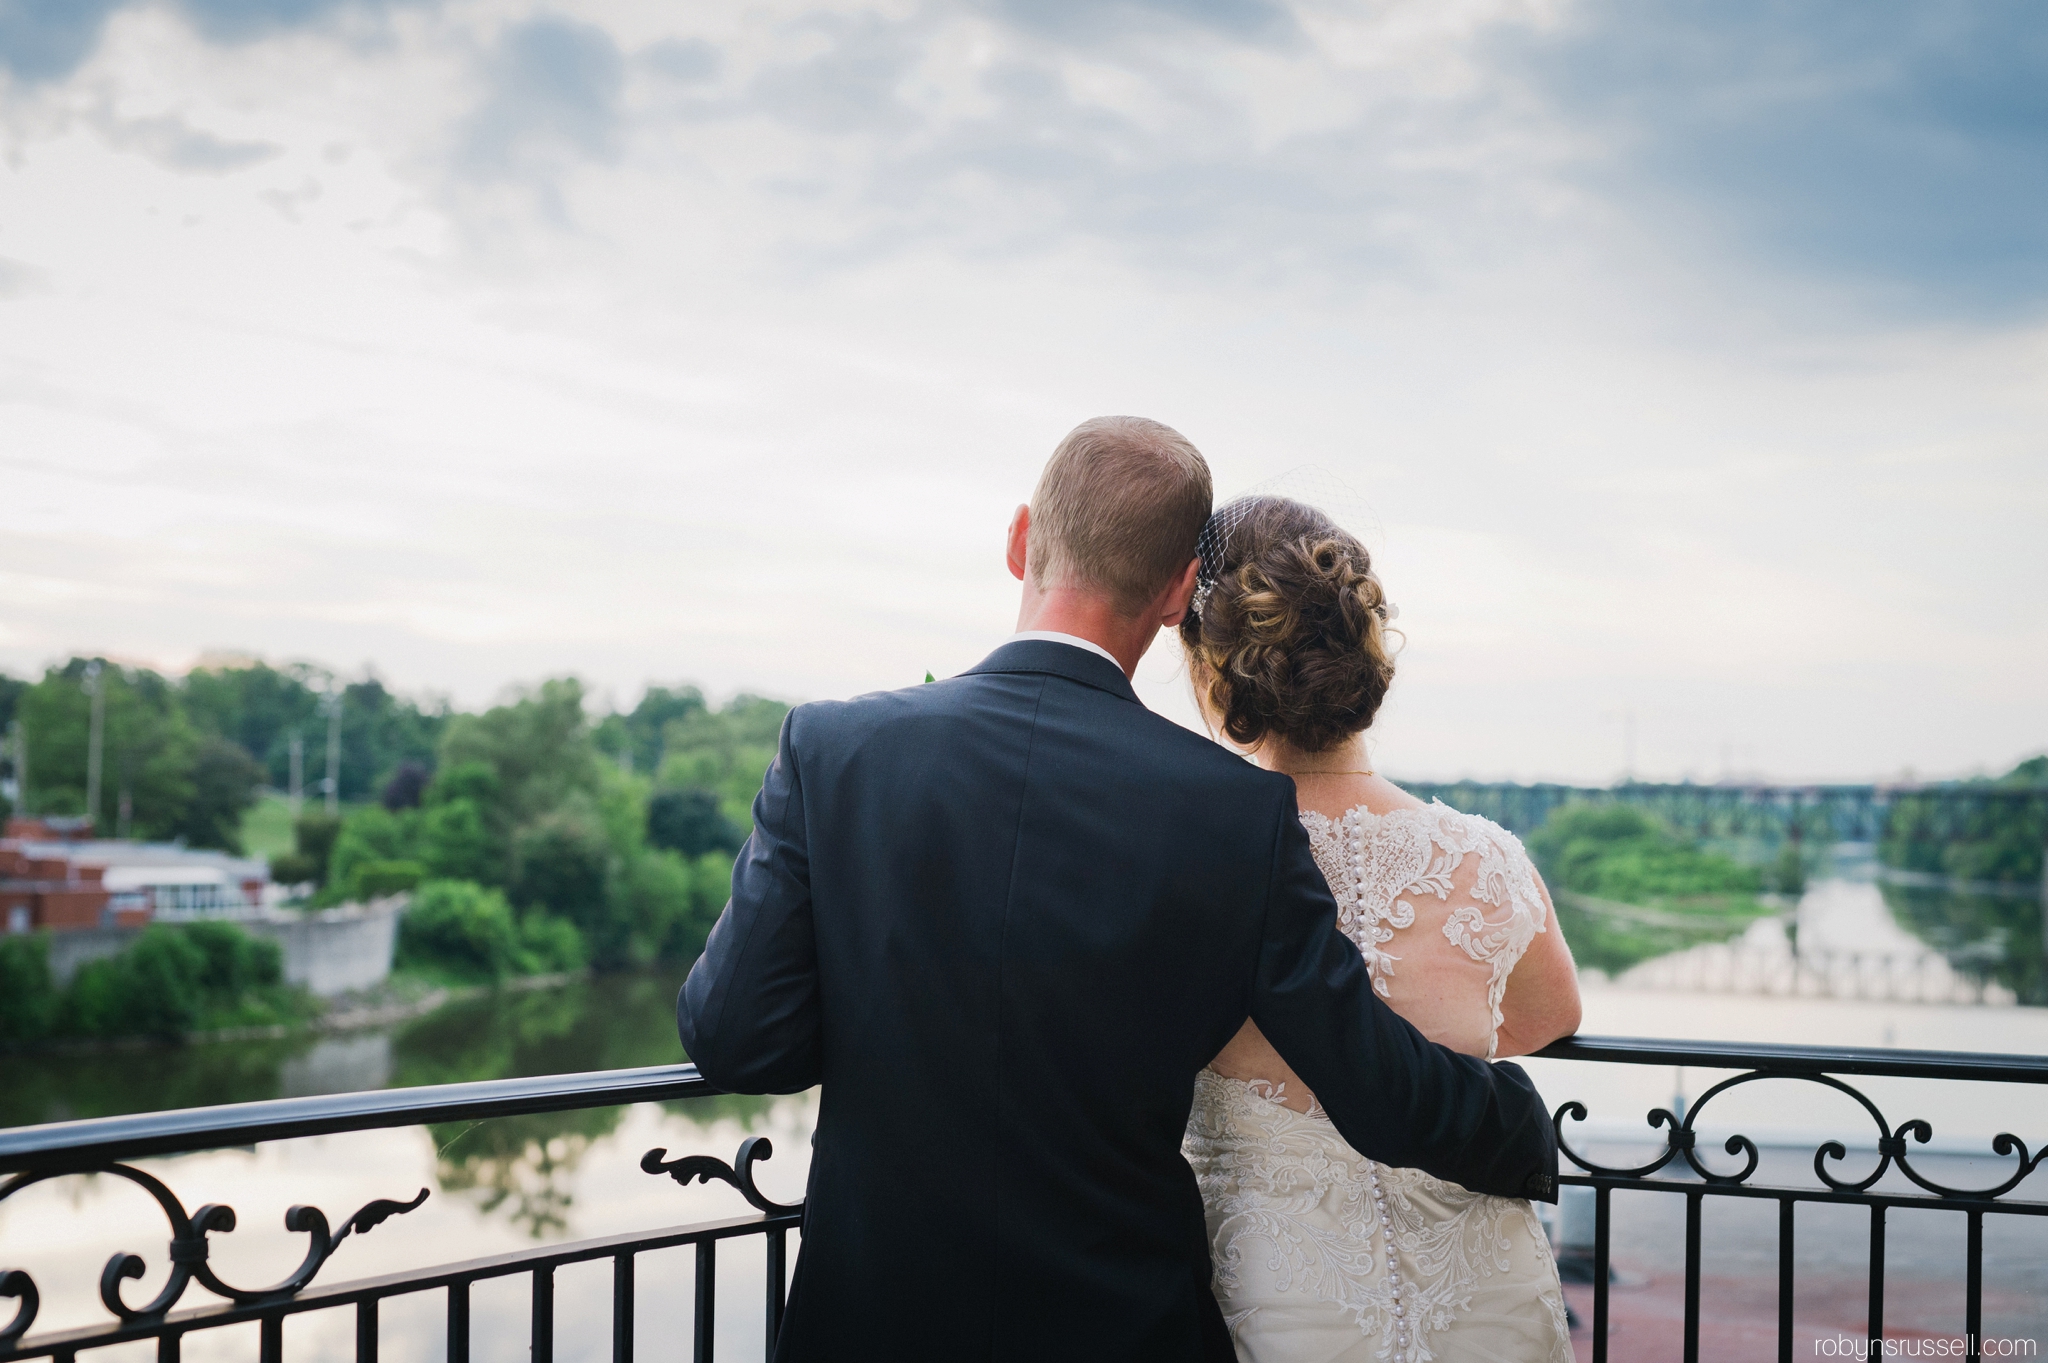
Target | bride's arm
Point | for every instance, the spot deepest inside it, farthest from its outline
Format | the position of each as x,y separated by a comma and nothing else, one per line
1542,999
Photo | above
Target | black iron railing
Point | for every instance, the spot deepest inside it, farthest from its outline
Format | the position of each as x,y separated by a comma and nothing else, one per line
36,1154
1697,1181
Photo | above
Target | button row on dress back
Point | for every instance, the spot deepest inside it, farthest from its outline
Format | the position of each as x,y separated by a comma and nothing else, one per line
1379,1202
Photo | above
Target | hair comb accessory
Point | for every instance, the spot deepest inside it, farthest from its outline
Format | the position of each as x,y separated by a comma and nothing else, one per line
1309,484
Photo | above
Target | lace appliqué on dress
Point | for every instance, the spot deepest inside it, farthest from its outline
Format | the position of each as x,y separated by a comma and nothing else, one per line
1292,1209
1377,864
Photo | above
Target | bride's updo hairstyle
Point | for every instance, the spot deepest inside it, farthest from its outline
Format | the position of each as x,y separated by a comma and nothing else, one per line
1289,638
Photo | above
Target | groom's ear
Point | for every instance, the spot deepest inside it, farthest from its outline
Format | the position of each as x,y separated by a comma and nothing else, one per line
1178,595
1020,542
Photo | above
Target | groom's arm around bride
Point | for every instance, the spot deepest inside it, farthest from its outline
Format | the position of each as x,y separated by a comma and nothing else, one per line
1004,920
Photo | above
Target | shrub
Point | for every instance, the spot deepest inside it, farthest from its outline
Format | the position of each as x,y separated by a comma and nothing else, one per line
375,878
564,866
404,788
314,836
294,868
28,998
369,835
175,980
235,962
549,945
151,989
463,931
457,844
690,822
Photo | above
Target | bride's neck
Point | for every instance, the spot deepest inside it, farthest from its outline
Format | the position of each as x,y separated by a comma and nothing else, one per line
1277,754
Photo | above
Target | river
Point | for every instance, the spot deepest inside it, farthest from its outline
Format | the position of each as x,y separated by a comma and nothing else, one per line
514,1182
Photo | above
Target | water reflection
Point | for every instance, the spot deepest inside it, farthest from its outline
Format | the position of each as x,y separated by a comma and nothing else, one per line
1991,938
605,1022
525,1167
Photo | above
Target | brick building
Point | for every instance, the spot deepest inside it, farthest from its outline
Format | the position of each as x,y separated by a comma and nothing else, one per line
54,875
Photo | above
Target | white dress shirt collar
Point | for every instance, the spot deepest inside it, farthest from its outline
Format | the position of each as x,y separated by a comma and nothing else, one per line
1054,636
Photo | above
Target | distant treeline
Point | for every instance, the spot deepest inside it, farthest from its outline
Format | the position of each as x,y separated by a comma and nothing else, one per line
534,843
2000,840
533,837
183,757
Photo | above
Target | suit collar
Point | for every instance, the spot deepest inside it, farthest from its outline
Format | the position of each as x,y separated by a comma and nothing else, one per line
1061,660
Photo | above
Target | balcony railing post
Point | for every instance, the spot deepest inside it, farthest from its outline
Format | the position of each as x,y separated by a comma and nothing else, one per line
707,1300
1692,1276
366,1330
1785,1297
1877,1273
622,1308
1602,1222
778,1285
542,1345
271,1347
458,1321
1973,1291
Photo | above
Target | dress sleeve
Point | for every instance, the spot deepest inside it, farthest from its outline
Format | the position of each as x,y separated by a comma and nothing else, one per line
1495,908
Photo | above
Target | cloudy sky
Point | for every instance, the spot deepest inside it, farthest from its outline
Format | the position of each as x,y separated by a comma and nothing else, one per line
1693,359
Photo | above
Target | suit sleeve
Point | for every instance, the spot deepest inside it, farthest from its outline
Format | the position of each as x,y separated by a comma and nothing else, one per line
749,1012
1396,1096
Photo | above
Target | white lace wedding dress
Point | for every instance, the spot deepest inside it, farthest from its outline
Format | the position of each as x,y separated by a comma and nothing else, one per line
1324,1256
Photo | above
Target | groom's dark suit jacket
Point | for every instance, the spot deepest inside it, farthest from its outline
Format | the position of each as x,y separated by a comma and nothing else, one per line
1004,919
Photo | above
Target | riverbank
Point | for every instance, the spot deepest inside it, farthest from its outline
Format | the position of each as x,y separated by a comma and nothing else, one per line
417,1032
399,999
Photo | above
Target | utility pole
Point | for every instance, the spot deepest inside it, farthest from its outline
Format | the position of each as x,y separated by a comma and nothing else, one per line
297,788
333,750
20,746
94,741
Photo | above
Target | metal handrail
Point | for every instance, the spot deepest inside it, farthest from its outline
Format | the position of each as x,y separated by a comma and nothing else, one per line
1790,1059
66,1144
59,1145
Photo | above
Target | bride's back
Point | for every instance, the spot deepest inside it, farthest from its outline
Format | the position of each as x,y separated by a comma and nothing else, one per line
1442,905
1287,646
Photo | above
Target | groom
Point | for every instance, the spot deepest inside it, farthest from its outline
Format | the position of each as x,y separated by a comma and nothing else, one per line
1004,919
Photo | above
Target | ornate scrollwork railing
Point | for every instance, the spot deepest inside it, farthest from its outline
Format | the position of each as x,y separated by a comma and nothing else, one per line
1680,1142
188,1251
704,1168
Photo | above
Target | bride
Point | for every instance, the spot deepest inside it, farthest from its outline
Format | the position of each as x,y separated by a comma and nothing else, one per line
1321,1254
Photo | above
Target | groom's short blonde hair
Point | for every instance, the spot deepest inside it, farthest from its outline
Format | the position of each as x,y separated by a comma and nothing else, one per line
1118,509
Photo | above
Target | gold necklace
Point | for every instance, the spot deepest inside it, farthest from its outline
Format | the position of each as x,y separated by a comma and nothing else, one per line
1297,775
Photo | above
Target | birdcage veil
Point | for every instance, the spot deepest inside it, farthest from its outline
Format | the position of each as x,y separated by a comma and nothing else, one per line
1310,485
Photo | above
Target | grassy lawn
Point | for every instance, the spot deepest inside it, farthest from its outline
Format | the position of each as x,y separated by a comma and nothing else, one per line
267,824
267,827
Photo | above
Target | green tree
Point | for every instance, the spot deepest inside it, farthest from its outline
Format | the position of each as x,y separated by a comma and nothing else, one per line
564,867
455,843
1998,840
537,750
726,750
372,836
224,779
260,707
691,822
147,748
